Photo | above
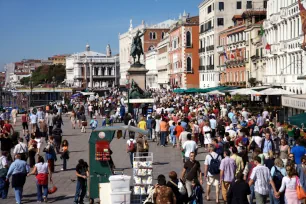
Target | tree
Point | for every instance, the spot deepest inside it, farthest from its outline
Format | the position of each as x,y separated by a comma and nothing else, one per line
253,82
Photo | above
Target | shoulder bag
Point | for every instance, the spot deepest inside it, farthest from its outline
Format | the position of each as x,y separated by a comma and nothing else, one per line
299,190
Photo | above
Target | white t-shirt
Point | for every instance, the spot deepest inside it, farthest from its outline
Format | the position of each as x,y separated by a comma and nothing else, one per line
257,140
33,119
42,168
206,129
288,183
3,162
189,146
208,159
128,142
245,114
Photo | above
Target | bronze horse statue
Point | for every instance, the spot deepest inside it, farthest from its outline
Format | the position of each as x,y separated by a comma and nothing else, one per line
136,49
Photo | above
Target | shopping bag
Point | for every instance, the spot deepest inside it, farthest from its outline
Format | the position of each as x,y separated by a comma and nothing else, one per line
299,190
53,189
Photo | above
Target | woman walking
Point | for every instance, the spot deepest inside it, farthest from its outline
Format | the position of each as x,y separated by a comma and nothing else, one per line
72,119
65,154
32,147
84,123
207,133
284,151
42,171
289,183
50,153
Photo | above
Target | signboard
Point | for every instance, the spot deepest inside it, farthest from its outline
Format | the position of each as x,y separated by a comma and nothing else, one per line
291,102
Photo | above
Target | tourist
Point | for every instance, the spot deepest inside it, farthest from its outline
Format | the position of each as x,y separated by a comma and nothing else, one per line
82,174
173,184
197,192
269,162
212,172
32,147
50,153
278,172
213,126
57,135
6,143
33,121
163,194
301,170
238,191
290,133
40,115
289,183
14,113
73,119
131,147
21,149
178,129
93,123
172,135
83,122
163,132
8,127
149,127
42,171
298,151
207,135
267,145
227,173
191,170
157,128
238,160
18,170
284,151
24,120
189,146
142,124
64,154
4,166
50,122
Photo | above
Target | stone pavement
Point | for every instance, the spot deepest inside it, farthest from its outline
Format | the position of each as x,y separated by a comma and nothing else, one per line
166,159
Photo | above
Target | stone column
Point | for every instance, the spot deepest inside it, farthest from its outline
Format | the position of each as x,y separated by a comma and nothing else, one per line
100,71
105,71
91,75
113,71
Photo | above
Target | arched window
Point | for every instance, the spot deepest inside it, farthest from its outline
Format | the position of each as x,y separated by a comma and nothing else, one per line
154,36
188,39
189,69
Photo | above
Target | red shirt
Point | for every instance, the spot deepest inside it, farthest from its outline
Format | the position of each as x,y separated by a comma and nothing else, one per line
178,130
8,127
24,118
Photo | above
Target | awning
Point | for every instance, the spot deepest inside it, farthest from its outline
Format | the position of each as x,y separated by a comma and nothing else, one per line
245,91
298,120
274,91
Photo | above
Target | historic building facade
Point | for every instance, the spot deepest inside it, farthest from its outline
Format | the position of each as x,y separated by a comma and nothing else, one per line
285,60
183,52
92,70
162,63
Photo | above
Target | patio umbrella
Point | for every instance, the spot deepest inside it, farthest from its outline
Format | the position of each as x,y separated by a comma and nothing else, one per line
245,91
215,92
274,91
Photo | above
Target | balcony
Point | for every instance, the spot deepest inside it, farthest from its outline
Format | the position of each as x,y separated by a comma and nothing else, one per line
283,46
284,13
201,68
235,63
210,67
275,49
201,50
220,50
275,18
209,48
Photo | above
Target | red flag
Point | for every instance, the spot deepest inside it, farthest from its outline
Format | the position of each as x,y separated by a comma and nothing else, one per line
268,46
232,56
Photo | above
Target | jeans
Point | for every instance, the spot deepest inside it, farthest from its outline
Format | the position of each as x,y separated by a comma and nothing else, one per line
260,199
150,133
64,163
40,193
173,139
272,198
291,141
80,192
252,195
18,194
4,186
163,138
131,157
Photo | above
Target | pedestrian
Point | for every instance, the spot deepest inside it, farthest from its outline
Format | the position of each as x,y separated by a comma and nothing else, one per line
90,110
289,183
50,153
41,171
261,176
172,135
212,172
142,124
93,123
173,183
298,151
18,170
6,144
64,154
207,135
163,194
14,113
149,126
33,121
8,127
4,166
21,149
238,191
227,173
197,192
278,172
189,146
269,162
84,123
82,174
284,151
73,119
50,122
178,129
163,132
267,145
238,160
32,147
57,135
24,120
131,147
301,170
191,170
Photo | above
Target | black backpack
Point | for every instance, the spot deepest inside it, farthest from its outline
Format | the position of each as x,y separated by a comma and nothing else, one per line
277,178
214,165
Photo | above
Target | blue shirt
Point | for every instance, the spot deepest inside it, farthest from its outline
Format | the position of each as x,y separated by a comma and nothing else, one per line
298,152
282,170
267,146
40,115
149,123
184,124
171,129
18,166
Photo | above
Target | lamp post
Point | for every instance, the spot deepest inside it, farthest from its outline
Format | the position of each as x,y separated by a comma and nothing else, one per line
53,84
128,91
1,87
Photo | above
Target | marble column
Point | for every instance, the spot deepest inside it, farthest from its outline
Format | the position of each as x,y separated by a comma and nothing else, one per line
105,71
99,71
91,75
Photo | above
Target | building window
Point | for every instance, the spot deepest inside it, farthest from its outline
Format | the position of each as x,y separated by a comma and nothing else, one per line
188,39
249,5
220,22
221,6
163,35
189,69
239,5
152,36
265,4
209,9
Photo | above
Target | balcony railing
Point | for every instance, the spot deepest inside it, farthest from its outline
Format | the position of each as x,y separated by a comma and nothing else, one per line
201,50
237,62
209,48
220,49
201,68
210,67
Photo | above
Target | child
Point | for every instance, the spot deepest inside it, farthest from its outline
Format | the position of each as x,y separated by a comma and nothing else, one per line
27,136
197,192
93,123
65,154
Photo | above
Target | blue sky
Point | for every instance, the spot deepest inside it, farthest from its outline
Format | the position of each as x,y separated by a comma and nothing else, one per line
41,28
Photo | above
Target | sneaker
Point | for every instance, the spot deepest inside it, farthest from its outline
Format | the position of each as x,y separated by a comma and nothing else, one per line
62,169
45,199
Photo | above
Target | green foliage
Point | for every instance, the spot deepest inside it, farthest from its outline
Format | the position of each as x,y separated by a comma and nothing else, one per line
240,98
44,74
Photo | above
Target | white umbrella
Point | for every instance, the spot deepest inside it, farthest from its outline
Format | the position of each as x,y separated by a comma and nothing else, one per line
215,92
274,91
245,92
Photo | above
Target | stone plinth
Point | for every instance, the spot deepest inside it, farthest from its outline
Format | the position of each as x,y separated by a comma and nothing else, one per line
138,73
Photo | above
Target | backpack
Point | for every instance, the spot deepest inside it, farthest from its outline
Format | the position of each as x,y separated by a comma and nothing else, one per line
214,165
277,178
132,123
131,147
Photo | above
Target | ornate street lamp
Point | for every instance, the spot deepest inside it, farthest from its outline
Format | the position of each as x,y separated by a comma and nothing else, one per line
31,90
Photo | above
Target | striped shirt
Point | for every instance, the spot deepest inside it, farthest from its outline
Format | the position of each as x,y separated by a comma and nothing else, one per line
261,175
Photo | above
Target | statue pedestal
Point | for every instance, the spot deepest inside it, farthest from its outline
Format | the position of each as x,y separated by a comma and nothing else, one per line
138,73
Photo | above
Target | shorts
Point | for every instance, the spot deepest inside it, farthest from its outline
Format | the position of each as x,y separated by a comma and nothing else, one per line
213,180
25,126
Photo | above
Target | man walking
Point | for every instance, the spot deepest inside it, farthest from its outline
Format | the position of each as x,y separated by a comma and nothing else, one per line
227,173
191,171
18,170
4,185
189,146
21,149
212,171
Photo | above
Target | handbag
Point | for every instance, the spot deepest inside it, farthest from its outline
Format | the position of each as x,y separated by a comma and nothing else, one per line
299,190
53,189
181,187
84,123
